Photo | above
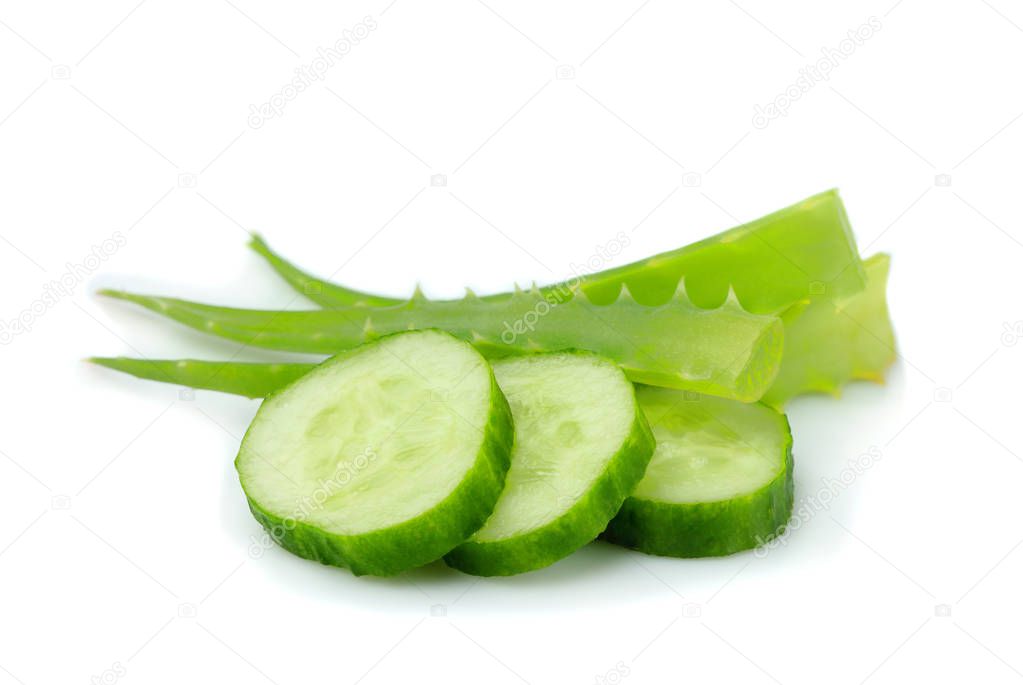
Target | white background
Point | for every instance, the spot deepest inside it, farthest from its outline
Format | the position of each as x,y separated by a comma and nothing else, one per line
124,539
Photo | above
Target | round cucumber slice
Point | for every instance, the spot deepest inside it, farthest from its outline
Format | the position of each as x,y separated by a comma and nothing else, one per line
382,458
720,480
581,446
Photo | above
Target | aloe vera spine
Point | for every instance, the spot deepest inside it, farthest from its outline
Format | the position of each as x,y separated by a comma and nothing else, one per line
727,351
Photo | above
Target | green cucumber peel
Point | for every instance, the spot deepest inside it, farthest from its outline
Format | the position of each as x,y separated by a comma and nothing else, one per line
586,450
383,458
770,263
725,351
720,480
581,446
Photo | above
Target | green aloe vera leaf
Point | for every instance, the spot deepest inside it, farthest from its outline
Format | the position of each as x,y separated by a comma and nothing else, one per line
826,345
770,263
830,342
319,291
254,380
727,351
860,349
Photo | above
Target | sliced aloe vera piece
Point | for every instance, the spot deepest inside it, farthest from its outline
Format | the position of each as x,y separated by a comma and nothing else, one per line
720,480
382,458
832,341
581,446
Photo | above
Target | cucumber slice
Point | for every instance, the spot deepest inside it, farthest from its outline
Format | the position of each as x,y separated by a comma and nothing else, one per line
581,446
382,458
720,480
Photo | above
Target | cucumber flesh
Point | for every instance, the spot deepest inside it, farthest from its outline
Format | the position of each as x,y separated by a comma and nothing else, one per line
720,480
383,458
581,445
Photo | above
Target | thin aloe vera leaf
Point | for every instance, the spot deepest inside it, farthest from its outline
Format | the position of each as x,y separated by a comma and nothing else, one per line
319,291
254,380
726,351
830,342
803,251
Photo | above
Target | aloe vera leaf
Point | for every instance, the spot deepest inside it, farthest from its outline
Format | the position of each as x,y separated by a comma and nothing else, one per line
321,292
247,379
831,342
861,349
821,353
770,263
727,351
237,378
